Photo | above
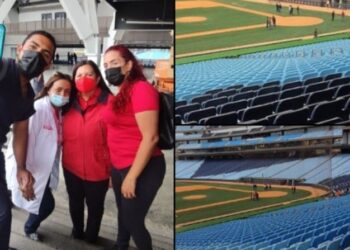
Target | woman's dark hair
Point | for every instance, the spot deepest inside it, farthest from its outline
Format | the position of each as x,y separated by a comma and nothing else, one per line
101,84
45,34
135,74
48,85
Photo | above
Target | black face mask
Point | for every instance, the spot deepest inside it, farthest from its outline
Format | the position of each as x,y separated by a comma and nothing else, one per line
32,64
114,76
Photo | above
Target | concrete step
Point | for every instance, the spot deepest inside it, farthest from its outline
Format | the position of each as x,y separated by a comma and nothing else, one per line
56,229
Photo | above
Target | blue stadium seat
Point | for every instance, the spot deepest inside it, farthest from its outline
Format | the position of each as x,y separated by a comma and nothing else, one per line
313,80
268,90
196,115
263,99
227,93
222,119
292,117
269,84
200,99
291,92
258,112
322,95
338,82
291,103
242,96
315,87
333,76
292,85
232,106
214,102
328,110
343,90
181,110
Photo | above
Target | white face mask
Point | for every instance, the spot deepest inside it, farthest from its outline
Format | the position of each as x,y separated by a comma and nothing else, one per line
58,100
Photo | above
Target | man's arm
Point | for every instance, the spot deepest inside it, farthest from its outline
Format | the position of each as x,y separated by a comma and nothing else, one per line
20,141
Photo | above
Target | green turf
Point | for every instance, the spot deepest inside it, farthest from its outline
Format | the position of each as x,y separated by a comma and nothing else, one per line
217,18
218,195
239,38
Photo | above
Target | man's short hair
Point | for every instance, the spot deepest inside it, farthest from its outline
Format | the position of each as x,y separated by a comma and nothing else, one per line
45,34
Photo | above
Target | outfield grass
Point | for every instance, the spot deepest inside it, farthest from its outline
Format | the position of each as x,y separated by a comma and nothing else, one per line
238,38
217,18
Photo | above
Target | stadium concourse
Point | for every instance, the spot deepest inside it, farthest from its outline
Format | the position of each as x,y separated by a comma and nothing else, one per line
297,85
304,168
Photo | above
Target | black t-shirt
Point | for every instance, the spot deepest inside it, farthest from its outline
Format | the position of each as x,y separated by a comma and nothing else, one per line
13,106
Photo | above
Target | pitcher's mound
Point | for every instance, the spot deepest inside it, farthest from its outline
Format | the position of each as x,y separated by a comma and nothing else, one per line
194,197
297,21
191,19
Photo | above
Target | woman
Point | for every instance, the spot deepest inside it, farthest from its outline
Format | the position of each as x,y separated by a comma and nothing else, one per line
43,153
85,158
132,134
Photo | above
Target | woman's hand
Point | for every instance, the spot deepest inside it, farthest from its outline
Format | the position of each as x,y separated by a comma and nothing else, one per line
129,187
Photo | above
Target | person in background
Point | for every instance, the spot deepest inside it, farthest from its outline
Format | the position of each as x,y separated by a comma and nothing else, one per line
132,133
43,153
34,56
85,159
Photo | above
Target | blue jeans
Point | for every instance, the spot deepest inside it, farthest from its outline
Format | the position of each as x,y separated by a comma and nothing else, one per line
46,207
5,207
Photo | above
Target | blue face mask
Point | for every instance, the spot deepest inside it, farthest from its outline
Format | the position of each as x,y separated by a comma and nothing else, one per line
58,100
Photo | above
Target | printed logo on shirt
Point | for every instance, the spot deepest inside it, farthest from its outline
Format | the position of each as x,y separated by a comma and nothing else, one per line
47,126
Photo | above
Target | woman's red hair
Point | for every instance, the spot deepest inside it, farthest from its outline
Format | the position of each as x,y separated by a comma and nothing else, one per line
135,74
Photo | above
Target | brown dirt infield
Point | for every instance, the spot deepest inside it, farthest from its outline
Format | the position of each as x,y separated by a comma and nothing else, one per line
191,19
194,197
191,188
272,194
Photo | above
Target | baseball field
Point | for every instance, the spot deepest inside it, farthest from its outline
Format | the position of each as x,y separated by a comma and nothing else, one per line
201,203
208,29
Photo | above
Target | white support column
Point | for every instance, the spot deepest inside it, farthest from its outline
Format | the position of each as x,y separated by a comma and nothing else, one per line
85,24
5,7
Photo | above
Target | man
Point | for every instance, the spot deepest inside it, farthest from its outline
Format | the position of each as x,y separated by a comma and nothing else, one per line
16,106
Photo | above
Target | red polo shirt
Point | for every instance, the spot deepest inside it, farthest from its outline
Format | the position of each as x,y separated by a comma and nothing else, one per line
123,134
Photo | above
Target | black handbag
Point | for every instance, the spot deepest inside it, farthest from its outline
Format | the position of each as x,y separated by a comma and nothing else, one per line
166,121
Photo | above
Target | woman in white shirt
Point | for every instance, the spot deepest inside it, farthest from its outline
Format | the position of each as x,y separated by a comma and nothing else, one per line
43,155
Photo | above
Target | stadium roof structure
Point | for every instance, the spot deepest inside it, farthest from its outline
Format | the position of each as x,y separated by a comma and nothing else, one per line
226,142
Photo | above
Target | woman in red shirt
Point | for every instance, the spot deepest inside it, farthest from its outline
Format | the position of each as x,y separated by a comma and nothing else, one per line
132,134
85,157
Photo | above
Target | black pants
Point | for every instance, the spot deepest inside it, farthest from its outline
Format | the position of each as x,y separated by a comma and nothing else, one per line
5,207
94,193
132,212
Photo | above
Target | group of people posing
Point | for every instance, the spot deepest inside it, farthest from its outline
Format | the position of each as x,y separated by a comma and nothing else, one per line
102,137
